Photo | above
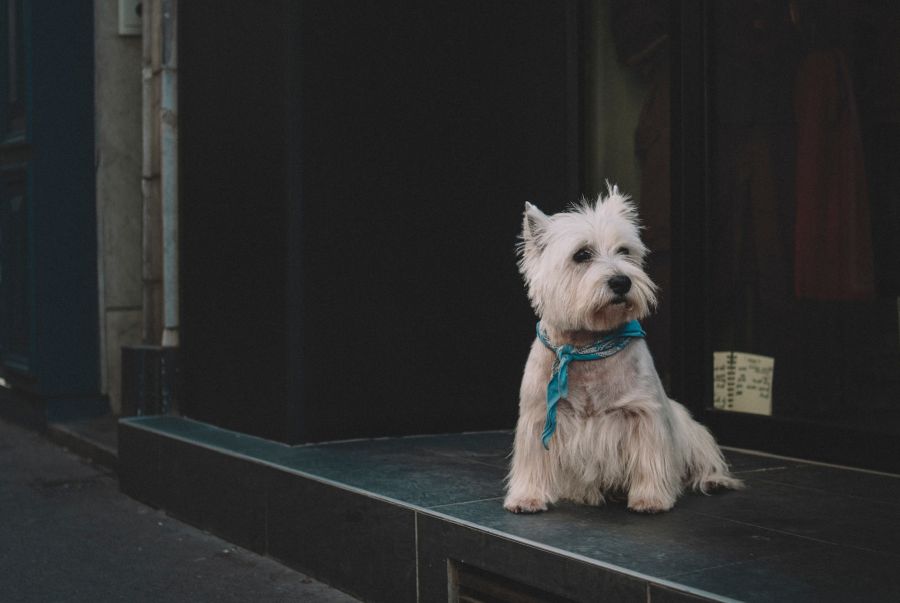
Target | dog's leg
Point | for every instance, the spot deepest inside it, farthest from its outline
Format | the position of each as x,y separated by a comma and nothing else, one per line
654,481
530,483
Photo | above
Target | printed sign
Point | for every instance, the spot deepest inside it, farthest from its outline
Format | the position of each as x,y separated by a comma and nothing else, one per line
743,382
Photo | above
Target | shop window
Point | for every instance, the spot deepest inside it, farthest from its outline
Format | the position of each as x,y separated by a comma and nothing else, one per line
804,212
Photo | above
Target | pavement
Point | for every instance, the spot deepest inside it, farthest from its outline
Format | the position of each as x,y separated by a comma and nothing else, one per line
68,534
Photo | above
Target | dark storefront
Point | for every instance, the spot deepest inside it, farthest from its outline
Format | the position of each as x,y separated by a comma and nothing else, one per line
353,178
353,209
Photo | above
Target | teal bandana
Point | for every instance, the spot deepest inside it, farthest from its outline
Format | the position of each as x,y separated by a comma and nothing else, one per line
558,388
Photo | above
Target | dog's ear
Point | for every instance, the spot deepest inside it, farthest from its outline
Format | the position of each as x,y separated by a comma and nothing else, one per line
534,227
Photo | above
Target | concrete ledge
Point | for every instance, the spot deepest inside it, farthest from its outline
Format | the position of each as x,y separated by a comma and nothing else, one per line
406,519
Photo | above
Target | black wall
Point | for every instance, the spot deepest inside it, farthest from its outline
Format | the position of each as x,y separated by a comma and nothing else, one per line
353,176
232,103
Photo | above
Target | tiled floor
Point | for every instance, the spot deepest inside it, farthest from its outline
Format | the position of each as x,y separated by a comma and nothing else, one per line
799,532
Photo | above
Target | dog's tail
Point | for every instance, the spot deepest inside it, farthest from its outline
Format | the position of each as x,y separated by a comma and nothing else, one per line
706,468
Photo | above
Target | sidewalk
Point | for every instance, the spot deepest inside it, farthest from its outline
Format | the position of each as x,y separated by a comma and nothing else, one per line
68,534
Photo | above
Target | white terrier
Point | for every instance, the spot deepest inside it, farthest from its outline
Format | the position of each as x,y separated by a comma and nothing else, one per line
593,415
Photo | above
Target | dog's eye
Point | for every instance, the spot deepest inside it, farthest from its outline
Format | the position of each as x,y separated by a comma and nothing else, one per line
582,255
623,251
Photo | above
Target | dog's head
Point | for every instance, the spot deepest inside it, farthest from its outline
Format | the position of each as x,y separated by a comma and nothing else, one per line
584,268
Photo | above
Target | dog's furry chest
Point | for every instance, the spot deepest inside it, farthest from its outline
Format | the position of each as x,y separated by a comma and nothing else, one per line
598,386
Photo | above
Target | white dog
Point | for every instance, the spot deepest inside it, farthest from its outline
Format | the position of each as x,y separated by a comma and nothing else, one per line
593,416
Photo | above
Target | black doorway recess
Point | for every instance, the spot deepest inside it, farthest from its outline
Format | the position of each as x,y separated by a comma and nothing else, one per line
353,176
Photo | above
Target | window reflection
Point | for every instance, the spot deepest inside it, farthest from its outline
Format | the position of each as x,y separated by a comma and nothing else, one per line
804,209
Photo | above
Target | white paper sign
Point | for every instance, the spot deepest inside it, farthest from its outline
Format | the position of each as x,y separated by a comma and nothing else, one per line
743,382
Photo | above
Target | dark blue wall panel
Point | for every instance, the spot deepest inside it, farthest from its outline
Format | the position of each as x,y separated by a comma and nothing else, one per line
59,366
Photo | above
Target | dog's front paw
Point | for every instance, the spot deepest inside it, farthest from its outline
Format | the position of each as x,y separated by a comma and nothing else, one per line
524,505
650,504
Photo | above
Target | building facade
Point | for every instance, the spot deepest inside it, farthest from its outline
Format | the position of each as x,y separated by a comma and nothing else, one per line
320,212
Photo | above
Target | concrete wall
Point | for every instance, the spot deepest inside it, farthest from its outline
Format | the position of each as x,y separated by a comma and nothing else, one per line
118,164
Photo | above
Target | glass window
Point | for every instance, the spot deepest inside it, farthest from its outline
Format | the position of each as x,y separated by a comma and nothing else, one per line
805,210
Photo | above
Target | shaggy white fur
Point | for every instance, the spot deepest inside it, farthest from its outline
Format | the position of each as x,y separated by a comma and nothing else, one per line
617,430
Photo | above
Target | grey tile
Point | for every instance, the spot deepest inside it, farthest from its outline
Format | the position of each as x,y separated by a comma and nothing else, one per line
485,448
424,470
805,512
658,545
167,424
419,471
824,574
743,462
839,481
442,542
210,436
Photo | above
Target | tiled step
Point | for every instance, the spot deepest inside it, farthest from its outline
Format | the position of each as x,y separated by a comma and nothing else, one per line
420,519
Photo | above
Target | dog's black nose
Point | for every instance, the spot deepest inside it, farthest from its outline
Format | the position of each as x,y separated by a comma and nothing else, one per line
620,284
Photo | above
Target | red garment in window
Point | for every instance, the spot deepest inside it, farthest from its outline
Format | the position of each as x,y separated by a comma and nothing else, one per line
833,243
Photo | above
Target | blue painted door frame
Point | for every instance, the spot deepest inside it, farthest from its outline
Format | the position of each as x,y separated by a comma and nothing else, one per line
49,339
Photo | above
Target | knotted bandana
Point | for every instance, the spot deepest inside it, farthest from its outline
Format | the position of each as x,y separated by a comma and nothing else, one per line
558,388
